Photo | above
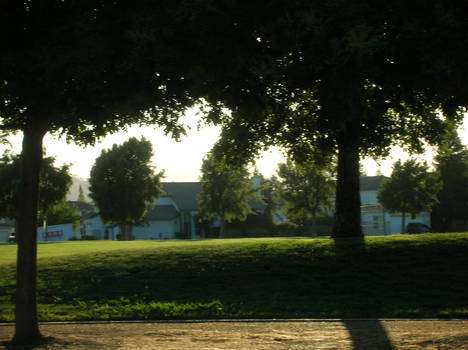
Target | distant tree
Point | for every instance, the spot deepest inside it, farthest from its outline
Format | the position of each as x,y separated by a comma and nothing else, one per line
307,189
410,189
81,196
62,213
53,186
123,181
270,194
225,191
452,164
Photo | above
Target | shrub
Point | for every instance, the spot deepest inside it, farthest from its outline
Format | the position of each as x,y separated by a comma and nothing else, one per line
181,235
287,229
88,238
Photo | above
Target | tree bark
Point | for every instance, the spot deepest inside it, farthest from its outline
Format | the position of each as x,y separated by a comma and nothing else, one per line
222,227
403,217
123,232
27,328
347,219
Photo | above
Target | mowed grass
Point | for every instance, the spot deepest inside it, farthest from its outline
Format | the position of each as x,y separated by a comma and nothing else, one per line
375,277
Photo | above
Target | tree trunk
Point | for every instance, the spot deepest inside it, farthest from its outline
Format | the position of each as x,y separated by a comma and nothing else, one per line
347,219
314,225
222,227
403,218
123,232
27,329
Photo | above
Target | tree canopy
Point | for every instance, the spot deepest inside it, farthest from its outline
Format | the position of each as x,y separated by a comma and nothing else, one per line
63,213
83,69
123,182
352,79
411,189
225,191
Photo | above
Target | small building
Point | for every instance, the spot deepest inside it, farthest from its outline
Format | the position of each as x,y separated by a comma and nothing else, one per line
375,219
173,215
57,233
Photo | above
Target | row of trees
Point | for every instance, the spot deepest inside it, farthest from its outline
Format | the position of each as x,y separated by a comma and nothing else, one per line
337,77
308,190
123,181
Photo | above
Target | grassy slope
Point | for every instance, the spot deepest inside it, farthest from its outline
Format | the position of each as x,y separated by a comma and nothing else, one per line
397,276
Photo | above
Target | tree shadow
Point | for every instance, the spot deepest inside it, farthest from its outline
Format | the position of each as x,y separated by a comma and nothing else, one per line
365,333
368,335
41,343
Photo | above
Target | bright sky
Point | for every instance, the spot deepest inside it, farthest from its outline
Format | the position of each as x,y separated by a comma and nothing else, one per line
181,161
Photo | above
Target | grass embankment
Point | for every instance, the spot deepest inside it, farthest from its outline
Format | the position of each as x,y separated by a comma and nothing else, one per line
396,276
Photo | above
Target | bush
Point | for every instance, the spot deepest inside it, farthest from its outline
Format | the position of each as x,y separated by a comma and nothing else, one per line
181,235
88,238
286,229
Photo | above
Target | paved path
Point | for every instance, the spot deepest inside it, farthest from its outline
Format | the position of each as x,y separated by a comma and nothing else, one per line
300,334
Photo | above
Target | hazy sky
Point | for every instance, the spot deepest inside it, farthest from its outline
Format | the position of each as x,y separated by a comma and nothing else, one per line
182,160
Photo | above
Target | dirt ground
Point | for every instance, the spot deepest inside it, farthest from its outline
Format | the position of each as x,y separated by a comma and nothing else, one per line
245,335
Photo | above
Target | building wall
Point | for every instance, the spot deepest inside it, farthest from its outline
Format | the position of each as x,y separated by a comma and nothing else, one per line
383,223
5,232
95,227
57,233
368,198
157,230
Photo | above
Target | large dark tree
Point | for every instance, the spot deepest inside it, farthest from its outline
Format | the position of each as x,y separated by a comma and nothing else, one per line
351,78
83,69
123,182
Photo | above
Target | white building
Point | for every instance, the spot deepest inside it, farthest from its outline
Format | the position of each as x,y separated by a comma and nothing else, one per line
375,219
57,233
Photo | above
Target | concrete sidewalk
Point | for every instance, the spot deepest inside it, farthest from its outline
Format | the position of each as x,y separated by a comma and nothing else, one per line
251,334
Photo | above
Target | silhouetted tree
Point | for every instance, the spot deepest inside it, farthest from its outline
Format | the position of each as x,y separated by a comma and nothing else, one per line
123,181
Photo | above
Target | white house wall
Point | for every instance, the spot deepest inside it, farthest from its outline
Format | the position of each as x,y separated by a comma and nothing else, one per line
374,224
57,233
95,227
368,197
5,232
157,230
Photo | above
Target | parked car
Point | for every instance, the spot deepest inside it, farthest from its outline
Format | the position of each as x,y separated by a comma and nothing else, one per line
417,227
12,239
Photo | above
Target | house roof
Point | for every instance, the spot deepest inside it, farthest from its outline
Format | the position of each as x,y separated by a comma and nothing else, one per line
83,207
183,193
371,183
162,212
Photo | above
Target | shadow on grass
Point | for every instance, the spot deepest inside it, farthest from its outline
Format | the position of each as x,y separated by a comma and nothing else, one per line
365,334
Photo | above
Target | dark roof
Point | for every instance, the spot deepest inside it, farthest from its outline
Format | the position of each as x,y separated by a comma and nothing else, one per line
183,193
371,183
82,207
162,212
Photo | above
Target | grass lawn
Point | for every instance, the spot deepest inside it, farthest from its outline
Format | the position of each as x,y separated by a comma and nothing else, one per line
375,277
